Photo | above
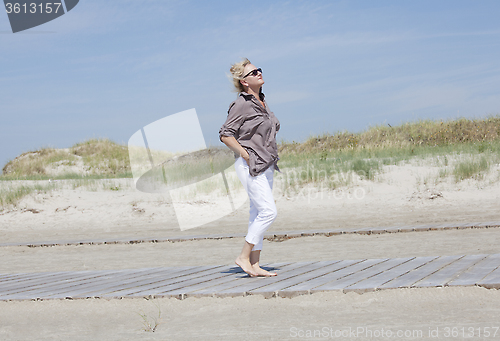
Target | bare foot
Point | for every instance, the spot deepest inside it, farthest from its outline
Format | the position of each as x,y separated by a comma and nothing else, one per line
261,272
245,265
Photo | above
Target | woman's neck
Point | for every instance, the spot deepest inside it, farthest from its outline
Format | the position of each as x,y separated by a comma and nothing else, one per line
255,92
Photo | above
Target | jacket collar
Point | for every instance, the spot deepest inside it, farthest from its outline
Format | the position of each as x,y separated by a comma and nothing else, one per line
248,96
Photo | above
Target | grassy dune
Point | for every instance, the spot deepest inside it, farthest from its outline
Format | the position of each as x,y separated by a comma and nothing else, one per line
95,158
462,148
465,149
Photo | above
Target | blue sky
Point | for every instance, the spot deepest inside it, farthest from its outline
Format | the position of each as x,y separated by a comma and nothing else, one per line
108,68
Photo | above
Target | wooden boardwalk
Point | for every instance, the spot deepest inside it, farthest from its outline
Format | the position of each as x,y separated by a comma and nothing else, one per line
278,235
361,275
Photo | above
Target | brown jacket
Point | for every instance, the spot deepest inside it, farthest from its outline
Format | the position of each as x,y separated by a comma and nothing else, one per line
254,127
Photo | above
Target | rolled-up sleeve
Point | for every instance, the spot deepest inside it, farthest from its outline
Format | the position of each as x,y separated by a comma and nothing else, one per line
233,122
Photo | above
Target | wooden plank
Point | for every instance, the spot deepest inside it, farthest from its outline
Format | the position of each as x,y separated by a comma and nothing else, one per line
54,288
328,232
357,265
343,272
257,282
216,284
378,230
408,279
29,275
477,272
364,230
165,289
492,280
7,277
372,283
50,279
335,232
10,244
443,226
292,278
449,272
316,232
345,281
406,229
458,226
104,285
279,267
315,270
106,282
393,229
128,283
267,235
65,291
475,224
89,278
488,224
154,287
178,276
235,288
182,292
25,276
46,277
28,285
243,289
325,232
306,285
422,228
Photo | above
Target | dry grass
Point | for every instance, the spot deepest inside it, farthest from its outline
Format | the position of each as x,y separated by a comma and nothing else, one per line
338,157
94,158
11,195
409,135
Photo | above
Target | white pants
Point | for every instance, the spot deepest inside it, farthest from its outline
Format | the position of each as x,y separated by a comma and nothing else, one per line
262,206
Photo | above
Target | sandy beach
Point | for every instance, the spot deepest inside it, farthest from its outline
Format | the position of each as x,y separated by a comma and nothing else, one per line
406,195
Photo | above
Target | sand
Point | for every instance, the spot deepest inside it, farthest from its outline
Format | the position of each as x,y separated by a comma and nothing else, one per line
411,194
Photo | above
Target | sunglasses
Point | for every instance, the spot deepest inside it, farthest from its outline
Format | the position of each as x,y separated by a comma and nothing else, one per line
254,72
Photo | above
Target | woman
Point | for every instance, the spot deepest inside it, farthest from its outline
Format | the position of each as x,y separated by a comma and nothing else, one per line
250,131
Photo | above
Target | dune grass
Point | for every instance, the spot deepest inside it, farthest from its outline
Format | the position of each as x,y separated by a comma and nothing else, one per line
334,160
11,192
405,136
99,158
471,169
10,196
103,157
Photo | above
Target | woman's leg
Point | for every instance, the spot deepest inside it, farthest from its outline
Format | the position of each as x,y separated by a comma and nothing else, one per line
255,254
262,214
243,260
254,261
259,190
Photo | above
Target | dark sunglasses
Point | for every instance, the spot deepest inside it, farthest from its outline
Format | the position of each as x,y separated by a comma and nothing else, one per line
254,72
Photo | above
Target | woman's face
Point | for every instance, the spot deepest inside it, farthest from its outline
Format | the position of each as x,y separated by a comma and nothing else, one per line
253,81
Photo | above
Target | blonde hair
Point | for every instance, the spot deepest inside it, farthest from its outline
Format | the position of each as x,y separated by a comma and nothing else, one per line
237,74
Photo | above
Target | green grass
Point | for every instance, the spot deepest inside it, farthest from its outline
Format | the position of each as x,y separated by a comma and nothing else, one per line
340,168
11,196
404,136
66,176
471,169
101,158
333,160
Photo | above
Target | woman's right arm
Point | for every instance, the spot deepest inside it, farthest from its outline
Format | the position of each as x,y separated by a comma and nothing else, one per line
234,120
234,145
